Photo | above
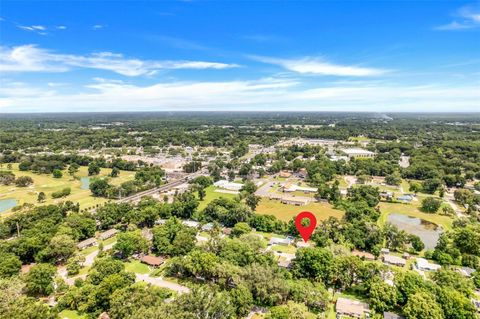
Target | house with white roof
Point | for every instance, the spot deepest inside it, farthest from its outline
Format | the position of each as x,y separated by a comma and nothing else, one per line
425,265
228,185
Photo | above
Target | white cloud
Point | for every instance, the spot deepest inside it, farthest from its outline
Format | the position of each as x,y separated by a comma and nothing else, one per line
97,26
61,27
468,17
317,66
39,29
270,94
30,58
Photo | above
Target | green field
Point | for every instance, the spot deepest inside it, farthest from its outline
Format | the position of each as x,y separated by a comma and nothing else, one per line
137,267
211,194
70,314
47,184
285,212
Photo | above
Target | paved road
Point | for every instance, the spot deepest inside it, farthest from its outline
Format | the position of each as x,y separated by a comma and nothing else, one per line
159,189
159,282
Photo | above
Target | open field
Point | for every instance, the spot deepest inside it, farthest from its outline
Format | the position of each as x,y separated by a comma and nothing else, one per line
70,314
211,194
285,212
137,267
47,184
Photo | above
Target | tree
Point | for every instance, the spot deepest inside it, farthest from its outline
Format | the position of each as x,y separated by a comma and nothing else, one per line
201,192
93,169
313,263
41,197
393,179
366,193
73,169
60,248
125,302
115,172
382,296
173,238
23,181
39,280
57,173
10,265
99,187
431,205
249,187
455,305
74,264
422,305
252,201
415,187
129,243
291,310
240,229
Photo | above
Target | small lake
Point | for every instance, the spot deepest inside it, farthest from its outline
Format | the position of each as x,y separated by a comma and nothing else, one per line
6,204
85,182
427,231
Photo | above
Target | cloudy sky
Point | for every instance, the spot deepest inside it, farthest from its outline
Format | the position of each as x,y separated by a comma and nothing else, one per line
239,55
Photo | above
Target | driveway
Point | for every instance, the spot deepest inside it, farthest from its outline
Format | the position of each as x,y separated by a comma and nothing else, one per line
159,282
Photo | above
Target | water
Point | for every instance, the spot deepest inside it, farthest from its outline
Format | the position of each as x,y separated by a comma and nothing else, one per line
427,231
6,204
85,182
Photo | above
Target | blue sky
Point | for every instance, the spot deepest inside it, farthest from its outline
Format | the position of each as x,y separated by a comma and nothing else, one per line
239,55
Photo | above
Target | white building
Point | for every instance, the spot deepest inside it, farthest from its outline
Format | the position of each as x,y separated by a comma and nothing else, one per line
228,185
358,153
425,265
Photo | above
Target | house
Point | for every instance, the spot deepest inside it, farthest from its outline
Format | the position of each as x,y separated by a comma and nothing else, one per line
147,234
160,222
87,243
465,271
280,241
391,315
297,201
191,223
363,255
424,265
385,251
394,260
405,198
284,263
107,234
152,261
302,173
228,185
476,304
302,244
207,227
351,308
358,153
284,174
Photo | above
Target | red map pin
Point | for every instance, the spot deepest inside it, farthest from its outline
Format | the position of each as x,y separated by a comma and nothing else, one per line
305,231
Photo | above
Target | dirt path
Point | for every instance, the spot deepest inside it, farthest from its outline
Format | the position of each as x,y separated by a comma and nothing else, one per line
159,282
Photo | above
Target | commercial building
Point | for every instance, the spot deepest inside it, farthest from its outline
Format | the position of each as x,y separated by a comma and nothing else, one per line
358,153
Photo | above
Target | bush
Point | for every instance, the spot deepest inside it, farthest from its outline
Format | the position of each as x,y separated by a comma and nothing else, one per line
24,181
62,193
431,205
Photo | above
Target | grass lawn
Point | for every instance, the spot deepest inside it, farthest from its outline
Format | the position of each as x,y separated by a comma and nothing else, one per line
412,210
70,314
285,212
211,194
284,249
47,184
137,267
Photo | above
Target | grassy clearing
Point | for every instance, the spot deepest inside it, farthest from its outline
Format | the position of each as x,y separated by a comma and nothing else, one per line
413,211
137,267
211,194
47,184
285,212
284,249
70,314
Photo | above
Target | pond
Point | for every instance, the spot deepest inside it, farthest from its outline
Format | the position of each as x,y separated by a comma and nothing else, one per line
85,182
427,231
6,204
